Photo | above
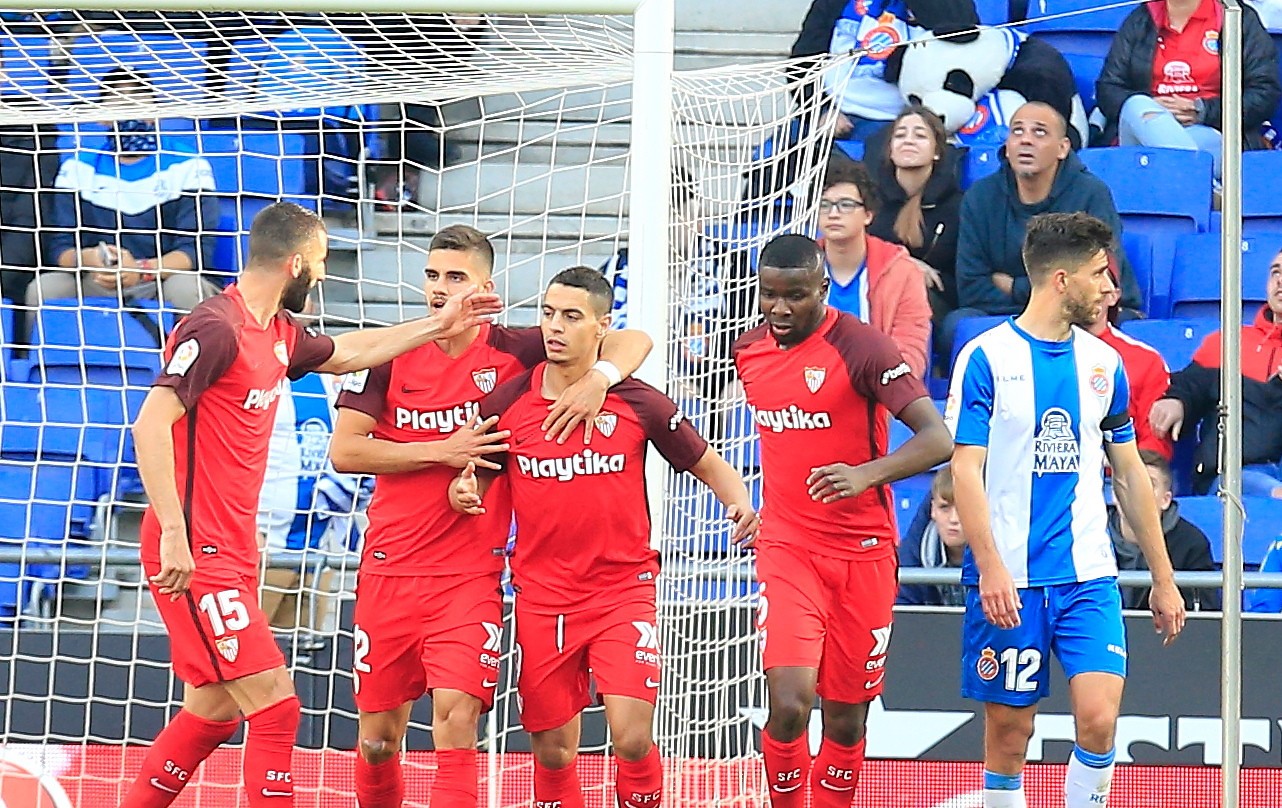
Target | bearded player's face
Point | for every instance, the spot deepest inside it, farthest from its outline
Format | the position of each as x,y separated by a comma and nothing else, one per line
311,263
1087,291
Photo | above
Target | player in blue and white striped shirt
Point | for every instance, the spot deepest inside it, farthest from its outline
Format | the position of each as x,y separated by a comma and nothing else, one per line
1036,405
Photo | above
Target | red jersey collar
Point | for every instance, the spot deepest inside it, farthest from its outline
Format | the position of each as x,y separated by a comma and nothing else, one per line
1161,18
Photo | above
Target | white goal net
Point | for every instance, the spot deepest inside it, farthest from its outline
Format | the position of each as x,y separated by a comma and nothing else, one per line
183,125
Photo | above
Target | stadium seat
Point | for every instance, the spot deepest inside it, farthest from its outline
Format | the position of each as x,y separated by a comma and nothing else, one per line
1139,252
1086,69
1262,527
1175,340
908,495
24,65
175,66
1076,26
1195,277
742,448
979,163
993,12
254,163
967,330
1162,183
1261,203
95,341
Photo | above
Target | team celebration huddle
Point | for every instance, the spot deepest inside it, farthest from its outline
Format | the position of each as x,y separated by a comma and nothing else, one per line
470,427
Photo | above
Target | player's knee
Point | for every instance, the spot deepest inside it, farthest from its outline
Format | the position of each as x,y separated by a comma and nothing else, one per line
844,729
1095,729
789,715
633,744
378,750
1008,734
552,752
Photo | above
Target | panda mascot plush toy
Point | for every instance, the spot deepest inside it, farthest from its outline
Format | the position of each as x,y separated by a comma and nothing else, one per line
975,78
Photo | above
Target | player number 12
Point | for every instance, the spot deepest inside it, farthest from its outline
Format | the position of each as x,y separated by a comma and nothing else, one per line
225,611
1021,666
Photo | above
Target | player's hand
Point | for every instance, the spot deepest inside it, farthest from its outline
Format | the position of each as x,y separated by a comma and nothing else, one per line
1167,418
176,563
465,310
465,494
999,597
1168,610
746,523
836,481
580,403
471,445
933,279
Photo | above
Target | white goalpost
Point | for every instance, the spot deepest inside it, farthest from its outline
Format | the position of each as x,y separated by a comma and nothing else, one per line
565,136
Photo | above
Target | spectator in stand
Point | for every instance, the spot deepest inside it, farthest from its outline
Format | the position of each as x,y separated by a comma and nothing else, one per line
28,164
130,221
1146,371
916,175
1186,544
1195,394
1266,600
1160,85
934,540
874,280
1039,174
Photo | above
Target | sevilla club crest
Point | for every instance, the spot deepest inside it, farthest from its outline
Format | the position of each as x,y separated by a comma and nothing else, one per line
485,379
282,352
228,647
606,422
815,378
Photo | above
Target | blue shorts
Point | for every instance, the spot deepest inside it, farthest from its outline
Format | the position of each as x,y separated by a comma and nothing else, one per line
1081,623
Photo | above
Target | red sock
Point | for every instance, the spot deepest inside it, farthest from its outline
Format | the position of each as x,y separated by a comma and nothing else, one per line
455,779
379,785
639,784
786,767
173,757
269,755
835,774
557,788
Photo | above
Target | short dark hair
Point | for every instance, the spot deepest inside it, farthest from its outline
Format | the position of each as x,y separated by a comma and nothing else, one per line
1063,240
791,251
941,485
591,281
115,82
463,238
1155,461
843,169
281,230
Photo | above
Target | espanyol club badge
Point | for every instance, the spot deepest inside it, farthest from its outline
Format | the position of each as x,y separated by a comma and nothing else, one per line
485,379
606,422
815,378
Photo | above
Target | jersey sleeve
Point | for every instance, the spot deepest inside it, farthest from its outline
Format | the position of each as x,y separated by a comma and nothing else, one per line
665,425
1117,425
969,411
366,390
526,344
200,350
877,368
311,350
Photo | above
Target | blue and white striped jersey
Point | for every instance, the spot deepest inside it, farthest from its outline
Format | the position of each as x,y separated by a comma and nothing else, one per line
1044,410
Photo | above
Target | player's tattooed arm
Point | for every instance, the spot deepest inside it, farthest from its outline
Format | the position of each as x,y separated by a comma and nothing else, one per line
997,593
1134,493
154,445
581,402
727,485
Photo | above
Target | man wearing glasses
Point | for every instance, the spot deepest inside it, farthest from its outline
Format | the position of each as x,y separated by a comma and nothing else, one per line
874,280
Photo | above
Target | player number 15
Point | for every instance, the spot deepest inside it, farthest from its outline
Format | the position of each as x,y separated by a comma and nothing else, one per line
225,611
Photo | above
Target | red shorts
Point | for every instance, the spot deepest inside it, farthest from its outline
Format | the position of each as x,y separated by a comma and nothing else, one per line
414,635
830,614
617,645
217,630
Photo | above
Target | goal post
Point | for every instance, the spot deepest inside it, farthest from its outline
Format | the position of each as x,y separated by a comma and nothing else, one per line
573,136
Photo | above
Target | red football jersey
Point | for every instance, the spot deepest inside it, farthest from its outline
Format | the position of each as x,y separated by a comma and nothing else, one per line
228,371
582,519
820,402
427,395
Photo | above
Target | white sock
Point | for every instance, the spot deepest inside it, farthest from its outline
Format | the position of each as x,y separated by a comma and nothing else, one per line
1090,776
1004,790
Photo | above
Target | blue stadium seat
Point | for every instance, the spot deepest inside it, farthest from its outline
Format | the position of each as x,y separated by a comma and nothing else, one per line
1261,202
697,523
1263,524
296,63
255,163
854,149
174,65
743,450
94,341
1166,183
1076,26
1195,278
24,65
908,495
979,163
1139,252
967,330
1175,340
993,12
1086,69
46,499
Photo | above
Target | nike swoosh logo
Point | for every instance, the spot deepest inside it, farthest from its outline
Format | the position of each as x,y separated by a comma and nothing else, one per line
831,787
874,682
488,684
157,784
782,790
650,682
409,391
267,793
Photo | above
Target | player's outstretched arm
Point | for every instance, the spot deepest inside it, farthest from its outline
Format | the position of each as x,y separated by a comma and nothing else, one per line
154,446
467,492
1134,492
929,446
997,592
727,485
354,451
367,348
622,352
